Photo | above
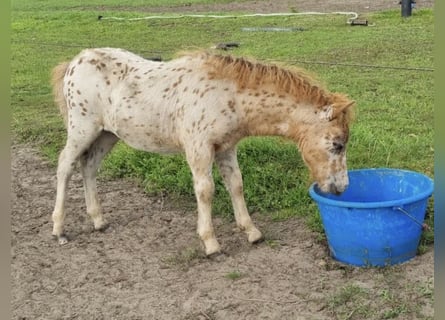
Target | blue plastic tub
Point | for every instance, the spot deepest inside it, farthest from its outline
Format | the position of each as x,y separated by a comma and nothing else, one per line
378,220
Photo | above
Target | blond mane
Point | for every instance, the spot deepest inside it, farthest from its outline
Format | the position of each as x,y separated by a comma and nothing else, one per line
251,75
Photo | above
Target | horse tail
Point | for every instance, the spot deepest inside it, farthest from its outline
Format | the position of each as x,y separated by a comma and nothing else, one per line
57,82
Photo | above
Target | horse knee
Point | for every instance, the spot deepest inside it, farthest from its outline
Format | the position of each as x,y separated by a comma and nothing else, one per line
204,190
237,190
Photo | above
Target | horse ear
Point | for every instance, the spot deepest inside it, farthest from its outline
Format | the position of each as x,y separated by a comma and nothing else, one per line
348,105
331,111
344,108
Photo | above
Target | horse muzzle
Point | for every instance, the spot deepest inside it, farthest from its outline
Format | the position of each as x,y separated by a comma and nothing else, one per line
337,190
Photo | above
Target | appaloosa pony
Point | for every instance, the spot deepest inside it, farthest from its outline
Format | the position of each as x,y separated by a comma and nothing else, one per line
201,104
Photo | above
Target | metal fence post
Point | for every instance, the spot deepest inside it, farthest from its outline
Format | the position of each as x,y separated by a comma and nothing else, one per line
406,8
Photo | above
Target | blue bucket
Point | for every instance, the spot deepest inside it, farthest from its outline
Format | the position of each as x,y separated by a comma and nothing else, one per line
378,220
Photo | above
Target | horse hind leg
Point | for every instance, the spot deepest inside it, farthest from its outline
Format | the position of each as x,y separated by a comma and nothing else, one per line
89,164
76,144
229,169
67,162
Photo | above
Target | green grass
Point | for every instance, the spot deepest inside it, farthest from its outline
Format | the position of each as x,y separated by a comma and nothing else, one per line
394,127
381,301
233,275
349,302
184,258
41,5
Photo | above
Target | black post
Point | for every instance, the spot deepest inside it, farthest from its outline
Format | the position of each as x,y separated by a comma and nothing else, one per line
406,8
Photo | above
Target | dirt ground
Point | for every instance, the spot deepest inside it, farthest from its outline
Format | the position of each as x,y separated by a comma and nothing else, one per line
262,6
149,263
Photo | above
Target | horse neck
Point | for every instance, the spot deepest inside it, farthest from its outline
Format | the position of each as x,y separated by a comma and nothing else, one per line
269,114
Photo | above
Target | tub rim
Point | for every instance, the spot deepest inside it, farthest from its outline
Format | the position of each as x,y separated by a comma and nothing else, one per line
317,195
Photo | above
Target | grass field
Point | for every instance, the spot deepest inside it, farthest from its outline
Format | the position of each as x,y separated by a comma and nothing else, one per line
386,68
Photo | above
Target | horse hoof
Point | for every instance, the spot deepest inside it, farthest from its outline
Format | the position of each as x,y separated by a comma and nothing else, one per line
103,227
216,256
259,240
211,246
255,237
62,239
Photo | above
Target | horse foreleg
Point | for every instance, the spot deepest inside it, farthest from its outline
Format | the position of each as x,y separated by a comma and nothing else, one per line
89,163
228,166
200,163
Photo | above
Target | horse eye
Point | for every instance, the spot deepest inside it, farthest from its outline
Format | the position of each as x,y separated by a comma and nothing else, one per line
337,147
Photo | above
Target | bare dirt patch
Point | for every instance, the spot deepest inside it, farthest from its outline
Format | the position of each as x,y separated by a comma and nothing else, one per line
149,264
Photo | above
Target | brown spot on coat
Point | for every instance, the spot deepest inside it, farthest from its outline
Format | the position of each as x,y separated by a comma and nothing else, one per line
231,105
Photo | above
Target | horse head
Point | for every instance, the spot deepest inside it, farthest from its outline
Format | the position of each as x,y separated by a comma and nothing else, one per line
323,144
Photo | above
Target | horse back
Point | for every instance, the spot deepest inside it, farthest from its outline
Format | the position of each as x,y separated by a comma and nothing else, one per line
152,106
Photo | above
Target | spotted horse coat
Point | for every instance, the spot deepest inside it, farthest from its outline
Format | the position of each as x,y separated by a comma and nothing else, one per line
200,104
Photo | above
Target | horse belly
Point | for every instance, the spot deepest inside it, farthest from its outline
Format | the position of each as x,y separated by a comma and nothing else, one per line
146,140
142,128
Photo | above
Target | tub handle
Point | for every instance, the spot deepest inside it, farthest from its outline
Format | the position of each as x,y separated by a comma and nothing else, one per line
423,225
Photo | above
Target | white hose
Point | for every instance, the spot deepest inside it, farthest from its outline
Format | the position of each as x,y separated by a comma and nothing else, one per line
353,14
